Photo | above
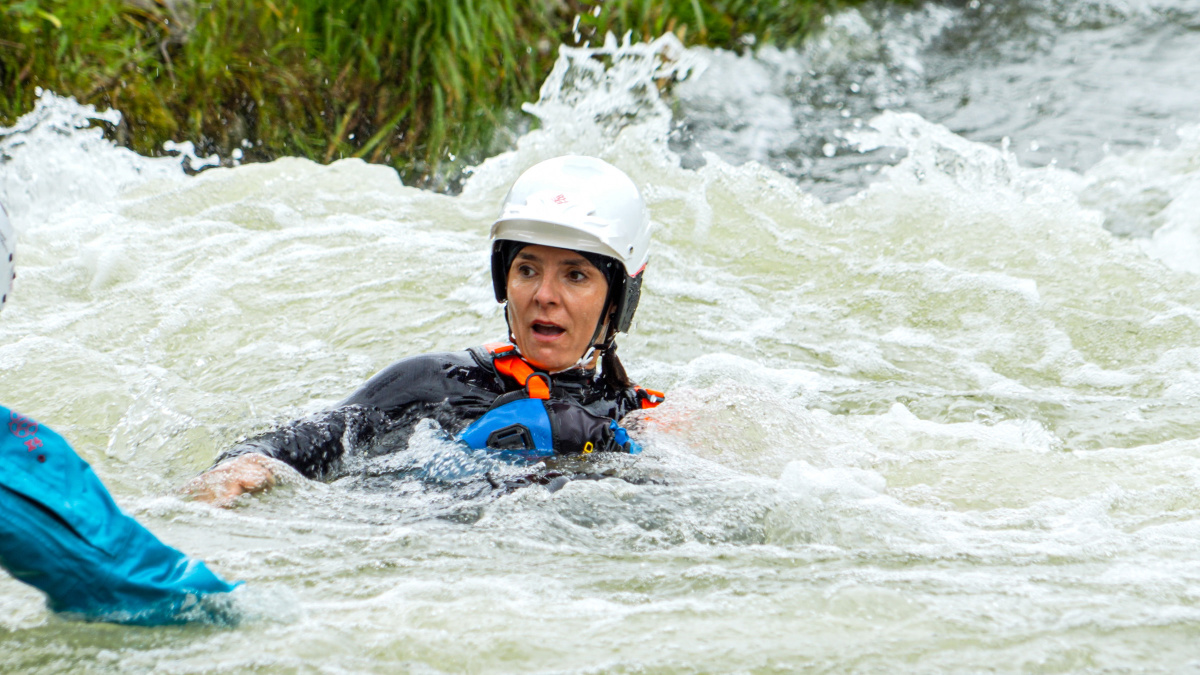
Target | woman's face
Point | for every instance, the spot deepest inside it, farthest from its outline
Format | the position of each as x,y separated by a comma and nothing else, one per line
555,297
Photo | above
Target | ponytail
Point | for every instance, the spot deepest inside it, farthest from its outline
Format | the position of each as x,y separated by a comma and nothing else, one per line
612,371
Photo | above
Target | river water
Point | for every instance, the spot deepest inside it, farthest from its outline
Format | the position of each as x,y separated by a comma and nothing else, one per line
925,297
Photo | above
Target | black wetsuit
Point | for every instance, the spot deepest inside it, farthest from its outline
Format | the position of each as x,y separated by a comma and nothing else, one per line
453,389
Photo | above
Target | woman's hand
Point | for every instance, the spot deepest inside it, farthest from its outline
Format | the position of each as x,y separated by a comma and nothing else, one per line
223,484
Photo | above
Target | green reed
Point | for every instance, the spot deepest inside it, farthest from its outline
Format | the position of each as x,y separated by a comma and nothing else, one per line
421,85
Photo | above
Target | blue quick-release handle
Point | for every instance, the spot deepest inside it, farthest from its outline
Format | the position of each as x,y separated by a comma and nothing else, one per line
623,440
524,419
524,426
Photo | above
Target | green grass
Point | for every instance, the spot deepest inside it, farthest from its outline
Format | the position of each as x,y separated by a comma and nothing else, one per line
732,24
421,85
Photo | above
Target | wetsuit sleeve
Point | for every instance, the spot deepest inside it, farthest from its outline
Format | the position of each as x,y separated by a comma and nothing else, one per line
62,533
316,445
439,386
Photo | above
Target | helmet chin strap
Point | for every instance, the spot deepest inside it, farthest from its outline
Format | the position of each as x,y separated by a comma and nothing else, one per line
508,324
594,346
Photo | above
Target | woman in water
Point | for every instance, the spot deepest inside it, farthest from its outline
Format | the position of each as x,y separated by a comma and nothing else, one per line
568,256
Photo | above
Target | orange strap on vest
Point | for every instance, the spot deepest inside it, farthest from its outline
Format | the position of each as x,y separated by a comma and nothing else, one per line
515,367
506,362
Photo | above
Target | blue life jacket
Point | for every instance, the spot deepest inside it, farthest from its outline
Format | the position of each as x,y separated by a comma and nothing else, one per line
62,533
532,424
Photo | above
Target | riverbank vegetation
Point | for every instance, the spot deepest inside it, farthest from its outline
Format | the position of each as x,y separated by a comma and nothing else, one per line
422,85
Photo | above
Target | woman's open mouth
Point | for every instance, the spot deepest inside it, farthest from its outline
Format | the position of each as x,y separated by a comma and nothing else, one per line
547,329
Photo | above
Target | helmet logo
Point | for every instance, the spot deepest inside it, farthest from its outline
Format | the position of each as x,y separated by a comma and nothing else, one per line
561,203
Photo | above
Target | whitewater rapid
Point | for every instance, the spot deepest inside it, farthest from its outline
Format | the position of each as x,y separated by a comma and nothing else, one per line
942,421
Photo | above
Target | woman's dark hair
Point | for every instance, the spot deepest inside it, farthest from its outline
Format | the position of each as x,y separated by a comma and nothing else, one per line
612,371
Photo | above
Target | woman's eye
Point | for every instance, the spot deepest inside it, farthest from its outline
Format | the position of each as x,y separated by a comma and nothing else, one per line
525,271
576,275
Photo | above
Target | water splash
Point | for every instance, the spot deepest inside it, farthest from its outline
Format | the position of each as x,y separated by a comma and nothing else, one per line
56,157
602,101
1153,194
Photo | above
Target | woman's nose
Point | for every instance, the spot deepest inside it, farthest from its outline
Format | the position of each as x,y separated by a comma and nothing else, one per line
548,291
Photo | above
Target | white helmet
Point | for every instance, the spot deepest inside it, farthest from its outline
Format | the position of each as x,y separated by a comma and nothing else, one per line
8,247
583,204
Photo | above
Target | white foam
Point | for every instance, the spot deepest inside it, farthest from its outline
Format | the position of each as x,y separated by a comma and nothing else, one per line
54,160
